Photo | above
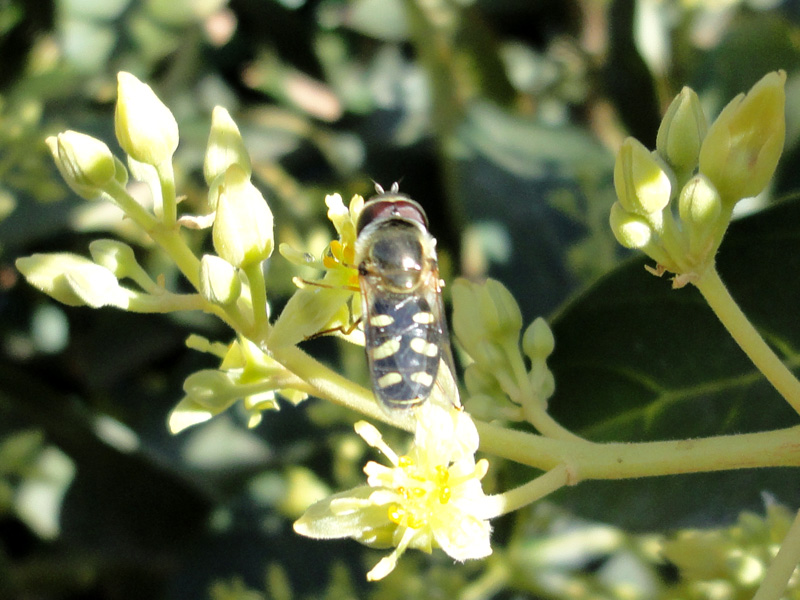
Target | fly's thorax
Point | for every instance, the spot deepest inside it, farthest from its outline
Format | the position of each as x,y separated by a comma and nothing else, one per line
397,253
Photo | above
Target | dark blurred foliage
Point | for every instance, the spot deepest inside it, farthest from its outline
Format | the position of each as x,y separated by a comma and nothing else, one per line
500,117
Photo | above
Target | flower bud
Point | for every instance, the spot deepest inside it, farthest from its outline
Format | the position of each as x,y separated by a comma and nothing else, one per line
490,356
699,207
632,231
145,127
72,280
538,341
741,150
115,256
208,393
641,180
682,131
542,381
85,163
243,226
499,310
467,321
307,312
225,147
480,381
219,281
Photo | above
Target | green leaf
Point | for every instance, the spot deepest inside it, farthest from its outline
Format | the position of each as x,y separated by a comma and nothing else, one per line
636,361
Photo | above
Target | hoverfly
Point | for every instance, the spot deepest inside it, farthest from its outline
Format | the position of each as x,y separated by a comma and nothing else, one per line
406,334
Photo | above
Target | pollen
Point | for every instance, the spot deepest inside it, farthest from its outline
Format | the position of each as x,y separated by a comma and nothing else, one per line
420,492
336,255
349,254
396,514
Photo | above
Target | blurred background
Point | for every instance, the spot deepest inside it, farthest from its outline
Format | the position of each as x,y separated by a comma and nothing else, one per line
501,117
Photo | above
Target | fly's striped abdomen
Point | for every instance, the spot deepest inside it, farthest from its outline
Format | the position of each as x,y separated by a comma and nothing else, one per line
403,347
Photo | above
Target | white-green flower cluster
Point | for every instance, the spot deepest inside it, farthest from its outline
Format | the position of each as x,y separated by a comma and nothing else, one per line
245,373
228,283
430,497
675,203
731,562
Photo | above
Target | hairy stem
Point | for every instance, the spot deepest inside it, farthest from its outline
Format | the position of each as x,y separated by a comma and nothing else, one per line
501,504
742,330
587,460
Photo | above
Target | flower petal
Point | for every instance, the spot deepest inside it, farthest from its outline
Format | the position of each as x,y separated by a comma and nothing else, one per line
464,536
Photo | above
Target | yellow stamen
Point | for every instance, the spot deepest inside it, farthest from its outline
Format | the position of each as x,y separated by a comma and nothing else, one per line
396,514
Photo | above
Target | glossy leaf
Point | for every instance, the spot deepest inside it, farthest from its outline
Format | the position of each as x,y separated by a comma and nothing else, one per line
636,361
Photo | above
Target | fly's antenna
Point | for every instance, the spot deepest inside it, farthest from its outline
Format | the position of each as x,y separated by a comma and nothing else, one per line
392,190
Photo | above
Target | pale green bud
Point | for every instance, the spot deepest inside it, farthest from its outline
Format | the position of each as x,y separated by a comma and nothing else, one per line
145,127
242,230
72,280
208,393
225,147
121,172
499,310
219,281
538,341
641,179
682,131
632,231
479,381
467,321
542,381
489,355
85,163
308,311
741,150
699,207
212,388
115,256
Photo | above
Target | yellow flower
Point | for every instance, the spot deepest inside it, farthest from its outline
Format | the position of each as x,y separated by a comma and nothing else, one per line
430,497
321,304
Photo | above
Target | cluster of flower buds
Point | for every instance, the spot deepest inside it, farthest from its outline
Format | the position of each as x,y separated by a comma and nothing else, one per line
488,322
245,373
228,283
675,204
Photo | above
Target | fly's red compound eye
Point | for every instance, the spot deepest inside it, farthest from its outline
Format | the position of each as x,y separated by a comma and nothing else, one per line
391,206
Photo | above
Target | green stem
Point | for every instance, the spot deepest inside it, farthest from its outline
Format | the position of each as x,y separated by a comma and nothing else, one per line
740,328
501,504
586,460
258,298
169,205
128,204
168,238
777,576
618,460
533,408
329,384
